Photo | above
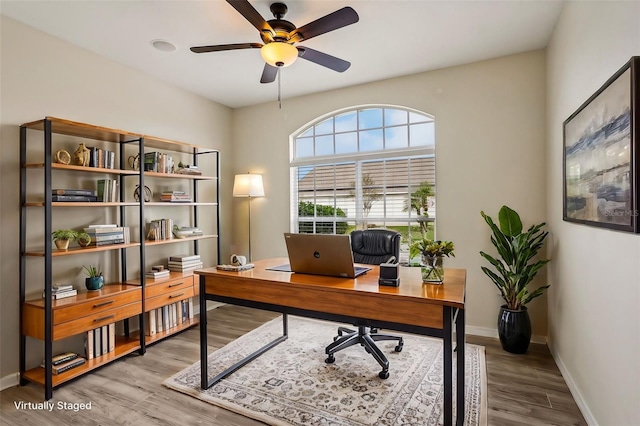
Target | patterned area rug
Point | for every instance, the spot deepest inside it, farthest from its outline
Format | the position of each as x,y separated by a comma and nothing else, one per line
292,385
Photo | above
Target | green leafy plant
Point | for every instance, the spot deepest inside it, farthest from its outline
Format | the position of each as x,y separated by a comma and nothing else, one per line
428,247
516,267
83,238
64,234
92,271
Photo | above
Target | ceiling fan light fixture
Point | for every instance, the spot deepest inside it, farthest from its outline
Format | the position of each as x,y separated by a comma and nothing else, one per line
279,54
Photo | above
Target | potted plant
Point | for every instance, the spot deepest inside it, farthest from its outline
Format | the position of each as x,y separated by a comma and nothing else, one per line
512,273
83,239
432,252
62,238
95,281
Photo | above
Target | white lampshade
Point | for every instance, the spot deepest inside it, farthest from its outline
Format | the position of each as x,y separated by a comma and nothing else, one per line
279,54
248,185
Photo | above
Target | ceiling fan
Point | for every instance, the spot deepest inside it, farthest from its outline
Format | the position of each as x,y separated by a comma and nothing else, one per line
279,37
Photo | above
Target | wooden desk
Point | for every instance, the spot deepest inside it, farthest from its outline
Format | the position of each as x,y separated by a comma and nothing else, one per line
413,307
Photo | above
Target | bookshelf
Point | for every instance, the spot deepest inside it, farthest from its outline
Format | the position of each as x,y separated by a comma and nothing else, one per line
127,295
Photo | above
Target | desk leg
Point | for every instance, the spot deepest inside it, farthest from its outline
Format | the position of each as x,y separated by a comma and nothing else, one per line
204,374
448,366
460,382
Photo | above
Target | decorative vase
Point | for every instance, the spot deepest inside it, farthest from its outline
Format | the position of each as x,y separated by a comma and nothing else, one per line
94,283
514,329
432,269
62,244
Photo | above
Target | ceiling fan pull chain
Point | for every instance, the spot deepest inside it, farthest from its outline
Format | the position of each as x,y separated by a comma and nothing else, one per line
279,99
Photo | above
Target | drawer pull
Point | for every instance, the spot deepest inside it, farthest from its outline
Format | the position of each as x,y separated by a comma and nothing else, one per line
176,284
104,318
176,295
108,302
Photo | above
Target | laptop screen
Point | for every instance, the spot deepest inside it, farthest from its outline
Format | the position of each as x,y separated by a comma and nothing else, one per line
322,254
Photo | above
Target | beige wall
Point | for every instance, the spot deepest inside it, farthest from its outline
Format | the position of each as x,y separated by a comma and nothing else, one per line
44,76
594,319
490,130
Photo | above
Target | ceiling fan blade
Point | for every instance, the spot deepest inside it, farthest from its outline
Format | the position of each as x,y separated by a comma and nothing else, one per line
221,47
323,59
251,15
338,19
269,74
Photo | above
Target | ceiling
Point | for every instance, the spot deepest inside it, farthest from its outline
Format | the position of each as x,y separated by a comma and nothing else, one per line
391,39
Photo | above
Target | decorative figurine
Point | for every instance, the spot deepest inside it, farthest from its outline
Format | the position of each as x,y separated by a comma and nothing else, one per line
81,155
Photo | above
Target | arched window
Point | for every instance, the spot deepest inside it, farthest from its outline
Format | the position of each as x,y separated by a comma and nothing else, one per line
370,166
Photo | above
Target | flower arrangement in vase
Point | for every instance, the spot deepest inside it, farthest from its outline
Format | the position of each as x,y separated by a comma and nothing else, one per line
433,253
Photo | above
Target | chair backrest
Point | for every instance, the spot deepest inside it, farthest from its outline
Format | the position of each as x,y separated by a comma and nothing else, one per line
375,246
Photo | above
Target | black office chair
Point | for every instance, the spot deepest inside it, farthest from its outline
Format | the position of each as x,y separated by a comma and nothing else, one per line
373,247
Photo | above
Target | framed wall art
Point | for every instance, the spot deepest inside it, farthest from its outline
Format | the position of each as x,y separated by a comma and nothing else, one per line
601,155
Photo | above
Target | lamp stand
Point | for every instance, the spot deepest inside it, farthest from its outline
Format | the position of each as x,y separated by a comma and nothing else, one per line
249,257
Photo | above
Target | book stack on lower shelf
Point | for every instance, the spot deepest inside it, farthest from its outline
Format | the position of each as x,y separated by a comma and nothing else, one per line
65,361
60,291
100,341
157,272
185,262
168,317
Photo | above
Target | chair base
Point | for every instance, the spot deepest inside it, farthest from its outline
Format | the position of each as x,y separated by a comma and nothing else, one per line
347,337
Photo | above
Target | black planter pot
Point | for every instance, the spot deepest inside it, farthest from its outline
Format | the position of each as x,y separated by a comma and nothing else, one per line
514,329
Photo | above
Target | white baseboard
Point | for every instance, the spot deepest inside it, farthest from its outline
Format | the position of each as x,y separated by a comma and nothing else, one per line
575,392
493,332
9,381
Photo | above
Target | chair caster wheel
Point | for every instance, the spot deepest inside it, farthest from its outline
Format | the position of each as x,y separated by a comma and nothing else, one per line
384,374
398,348
330,359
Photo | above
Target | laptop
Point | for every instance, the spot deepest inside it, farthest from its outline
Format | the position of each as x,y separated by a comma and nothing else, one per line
321,254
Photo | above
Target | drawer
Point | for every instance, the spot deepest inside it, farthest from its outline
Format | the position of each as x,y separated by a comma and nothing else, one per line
95,320
167,286
94,306
165,299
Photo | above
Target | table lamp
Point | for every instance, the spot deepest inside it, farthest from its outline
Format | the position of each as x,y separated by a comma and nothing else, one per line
248,185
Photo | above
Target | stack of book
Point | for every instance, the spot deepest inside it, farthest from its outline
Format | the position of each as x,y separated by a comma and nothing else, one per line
66,361
99,157
102,235
100,341
160,229
60,291
189,170
184,262
157,272
175,197
107,190
167,317
75,195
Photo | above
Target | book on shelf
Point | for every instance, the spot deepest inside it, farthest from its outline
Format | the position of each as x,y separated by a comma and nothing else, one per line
160,229
105,339
61,287
151,161
83,192
107,190
65,366
183,257
184,263
74,198
97,340
190,308
158,274
56,295
89,345
112,336
61,358
97,227
150,323
159,320
175,197
185,268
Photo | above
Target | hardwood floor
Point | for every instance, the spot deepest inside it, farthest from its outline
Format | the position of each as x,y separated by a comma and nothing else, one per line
522,389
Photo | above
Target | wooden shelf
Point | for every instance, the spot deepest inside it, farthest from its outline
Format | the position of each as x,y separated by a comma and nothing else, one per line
80,250
163,334
124,346
178,240
80,204
168,203
178,176
58,166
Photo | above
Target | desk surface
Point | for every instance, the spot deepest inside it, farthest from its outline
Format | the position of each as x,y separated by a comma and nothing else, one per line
411,303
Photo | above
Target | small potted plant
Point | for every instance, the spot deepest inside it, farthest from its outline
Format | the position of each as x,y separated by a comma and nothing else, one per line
95,281
62,238
432,252
83,239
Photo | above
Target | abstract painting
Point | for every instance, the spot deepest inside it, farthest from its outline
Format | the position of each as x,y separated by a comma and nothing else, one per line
601,155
